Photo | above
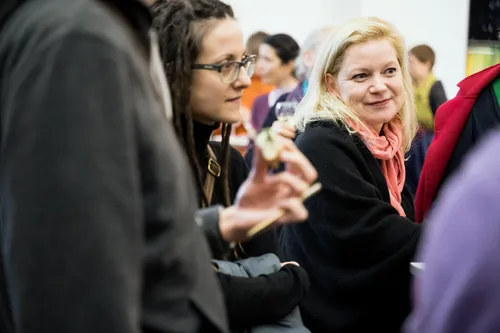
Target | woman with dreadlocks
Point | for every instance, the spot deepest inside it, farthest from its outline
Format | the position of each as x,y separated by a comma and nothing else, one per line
203,53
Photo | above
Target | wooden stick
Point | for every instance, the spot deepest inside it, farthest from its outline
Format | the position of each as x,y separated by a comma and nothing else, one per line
315,188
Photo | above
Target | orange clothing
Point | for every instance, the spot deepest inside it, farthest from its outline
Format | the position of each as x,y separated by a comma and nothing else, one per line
256,89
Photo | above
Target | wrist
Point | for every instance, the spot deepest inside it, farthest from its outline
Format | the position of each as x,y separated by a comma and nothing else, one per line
227,218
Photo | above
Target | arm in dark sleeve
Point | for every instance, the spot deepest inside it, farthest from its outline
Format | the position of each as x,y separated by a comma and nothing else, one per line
437,96
264,299
71,213
208,220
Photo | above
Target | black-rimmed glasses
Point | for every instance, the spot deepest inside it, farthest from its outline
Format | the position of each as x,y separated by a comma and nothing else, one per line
230,71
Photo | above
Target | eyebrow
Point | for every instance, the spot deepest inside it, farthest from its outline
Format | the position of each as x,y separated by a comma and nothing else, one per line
363,69
229,57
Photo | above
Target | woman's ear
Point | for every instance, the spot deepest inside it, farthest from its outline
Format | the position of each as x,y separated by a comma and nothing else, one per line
330,84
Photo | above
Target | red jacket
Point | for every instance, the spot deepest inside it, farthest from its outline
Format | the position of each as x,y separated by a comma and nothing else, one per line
448,124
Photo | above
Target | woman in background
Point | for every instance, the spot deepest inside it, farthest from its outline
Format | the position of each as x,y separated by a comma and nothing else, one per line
304,64
257,87
429,95
275,66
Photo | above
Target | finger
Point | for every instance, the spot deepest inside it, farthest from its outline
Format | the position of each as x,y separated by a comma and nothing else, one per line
287,133
260,167
295,211
276,126
285,130
288,145
290,128
293,182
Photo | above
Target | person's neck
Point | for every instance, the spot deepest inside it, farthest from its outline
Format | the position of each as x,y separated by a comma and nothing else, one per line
287,84
421,80
202,131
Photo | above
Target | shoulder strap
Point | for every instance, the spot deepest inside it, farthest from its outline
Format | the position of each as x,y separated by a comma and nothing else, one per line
213,171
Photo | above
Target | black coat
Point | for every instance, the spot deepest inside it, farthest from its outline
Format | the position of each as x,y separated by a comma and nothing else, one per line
355,246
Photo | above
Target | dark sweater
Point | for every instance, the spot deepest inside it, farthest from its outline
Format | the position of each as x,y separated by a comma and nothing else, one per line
437,96
355,247
259,300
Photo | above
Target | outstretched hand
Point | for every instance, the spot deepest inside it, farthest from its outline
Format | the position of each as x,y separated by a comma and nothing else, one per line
264,195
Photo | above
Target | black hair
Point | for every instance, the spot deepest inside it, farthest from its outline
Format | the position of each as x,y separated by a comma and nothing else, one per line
287,49
181,26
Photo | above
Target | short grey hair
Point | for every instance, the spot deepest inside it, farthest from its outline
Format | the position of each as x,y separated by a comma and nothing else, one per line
312,43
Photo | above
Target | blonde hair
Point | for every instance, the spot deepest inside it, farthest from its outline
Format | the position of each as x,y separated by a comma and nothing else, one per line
319,103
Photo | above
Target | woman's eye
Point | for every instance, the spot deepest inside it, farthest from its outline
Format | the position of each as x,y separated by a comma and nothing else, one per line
390,70
359,76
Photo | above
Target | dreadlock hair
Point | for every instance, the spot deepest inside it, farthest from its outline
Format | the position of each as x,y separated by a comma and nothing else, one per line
181,27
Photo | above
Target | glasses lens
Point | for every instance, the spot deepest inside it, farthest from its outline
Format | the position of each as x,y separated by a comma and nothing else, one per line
229,72
250,66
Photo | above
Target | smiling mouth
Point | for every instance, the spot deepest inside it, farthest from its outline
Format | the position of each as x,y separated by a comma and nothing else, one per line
380,103
233,99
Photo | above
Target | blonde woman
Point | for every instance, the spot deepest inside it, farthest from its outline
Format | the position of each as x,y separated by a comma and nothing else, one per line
357,120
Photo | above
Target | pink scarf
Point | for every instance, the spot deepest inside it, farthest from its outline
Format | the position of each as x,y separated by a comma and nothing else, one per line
387,149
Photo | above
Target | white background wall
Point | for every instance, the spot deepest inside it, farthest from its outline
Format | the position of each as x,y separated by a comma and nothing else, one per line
443,24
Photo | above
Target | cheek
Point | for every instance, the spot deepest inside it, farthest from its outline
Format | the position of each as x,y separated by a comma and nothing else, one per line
275,67
397,89
352,93
420,69
396,86
264,67
207,94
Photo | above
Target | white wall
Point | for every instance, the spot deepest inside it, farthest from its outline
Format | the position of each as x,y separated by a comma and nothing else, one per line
275,16
442,24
